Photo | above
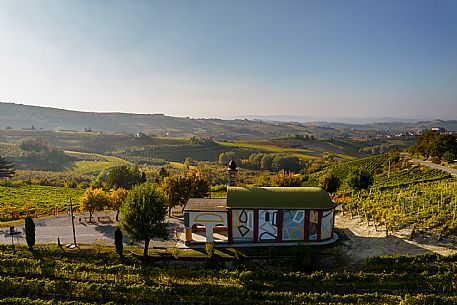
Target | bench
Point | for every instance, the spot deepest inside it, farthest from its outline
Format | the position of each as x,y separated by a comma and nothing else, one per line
104,219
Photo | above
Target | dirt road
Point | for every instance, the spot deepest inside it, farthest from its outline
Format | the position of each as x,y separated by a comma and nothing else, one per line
360,241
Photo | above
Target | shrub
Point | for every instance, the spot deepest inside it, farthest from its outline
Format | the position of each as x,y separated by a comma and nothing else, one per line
209,248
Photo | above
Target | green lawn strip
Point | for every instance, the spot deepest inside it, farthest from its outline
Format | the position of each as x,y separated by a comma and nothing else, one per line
304,154
181,166
89,166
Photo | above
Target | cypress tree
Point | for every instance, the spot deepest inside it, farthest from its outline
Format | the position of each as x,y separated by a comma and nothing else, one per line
118,241
30,232
6,168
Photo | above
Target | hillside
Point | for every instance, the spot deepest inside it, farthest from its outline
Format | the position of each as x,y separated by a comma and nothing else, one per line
19,116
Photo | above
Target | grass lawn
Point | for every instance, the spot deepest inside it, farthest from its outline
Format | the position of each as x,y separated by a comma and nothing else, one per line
263,145
95,164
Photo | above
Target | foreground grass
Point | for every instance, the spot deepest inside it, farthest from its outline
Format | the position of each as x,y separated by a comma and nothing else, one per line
96,275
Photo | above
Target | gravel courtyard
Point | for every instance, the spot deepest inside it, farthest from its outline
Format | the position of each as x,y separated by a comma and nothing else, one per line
99,231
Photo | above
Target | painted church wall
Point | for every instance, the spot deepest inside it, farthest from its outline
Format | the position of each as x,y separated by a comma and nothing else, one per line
206,218
268,225
293,225
313,224
327,224
243,225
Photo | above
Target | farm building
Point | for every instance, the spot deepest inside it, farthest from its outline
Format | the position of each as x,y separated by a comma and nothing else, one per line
261,214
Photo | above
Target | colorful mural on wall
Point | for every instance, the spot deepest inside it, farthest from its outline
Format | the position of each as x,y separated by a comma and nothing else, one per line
243,225
262,215
313,224
293,225
327,225
268,225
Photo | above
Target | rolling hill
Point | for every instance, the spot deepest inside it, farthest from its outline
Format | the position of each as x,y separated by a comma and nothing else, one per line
18,116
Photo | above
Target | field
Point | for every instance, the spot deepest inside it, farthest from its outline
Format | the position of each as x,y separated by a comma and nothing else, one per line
315,150
95,163
35,199
428,207
97,275
415,174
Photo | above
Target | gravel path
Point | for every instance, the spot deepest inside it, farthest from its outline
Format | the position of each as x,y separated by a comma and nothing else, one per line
99,231
448,169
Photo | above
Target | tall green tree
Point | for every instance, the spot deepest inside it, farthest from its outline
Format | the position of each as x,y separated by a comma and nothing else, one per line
226,157
435,144
179,188
329,182
30,232
6,168
288,163
143,214
123,176
163,173
143,178
266,163
359,178
118,236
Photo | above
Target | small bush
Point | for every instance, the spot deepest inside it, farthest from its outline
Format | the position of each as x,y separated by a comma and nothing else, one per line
209,248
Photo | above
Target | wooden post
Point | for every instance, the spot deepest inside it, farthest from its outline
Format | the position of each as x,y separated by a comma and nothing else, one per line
319,224
279,219
73,221
306,229
230,227
256,226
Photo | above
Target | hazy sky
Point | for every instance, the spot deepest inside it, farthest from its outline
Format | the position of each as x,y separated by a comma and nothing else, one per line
227,58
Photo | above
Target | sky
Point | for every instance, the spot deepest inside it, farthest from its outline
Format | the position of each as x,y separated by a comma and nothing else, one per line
366,58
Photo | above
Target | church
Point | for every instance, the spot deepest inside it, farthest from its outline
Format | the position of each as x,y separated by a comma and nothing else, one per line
253,215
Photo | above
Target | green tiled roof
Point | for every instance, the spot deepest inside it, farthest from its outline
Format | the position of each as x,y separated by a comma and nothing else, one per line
279,197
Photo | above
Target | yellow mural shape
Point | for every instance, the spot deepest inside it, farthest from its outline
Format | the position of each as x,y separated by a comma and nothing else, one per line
209,217
314,216
325,233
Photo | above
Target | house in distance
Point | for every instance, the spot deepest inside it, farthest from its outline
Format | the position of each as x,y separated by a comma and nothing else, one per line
261,215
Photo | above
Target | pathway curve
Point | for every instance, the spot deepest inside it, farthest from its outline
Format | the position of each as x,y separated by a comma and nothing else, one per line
448,169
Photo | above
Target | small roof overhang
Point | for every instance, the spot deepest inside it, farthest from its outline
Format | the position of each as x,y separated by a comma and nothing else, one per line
206,204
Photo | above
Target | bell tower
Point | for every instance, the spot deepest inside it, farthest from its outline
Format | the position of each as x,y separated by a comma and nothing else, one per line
232,173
